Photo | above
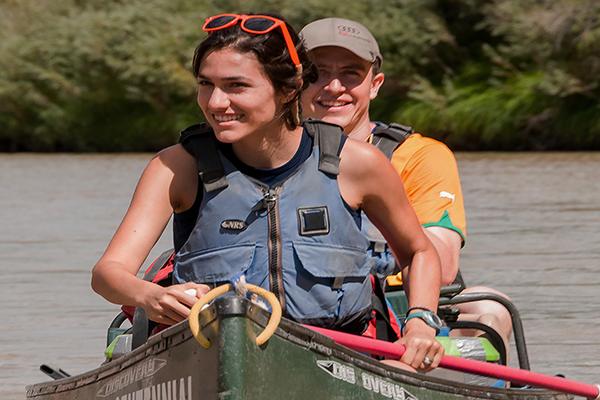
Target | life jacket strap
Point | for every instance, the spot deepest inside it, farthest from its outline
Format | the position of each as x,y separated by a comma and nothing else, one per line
157,272
200,142
383,325
331,139
163,261
387,138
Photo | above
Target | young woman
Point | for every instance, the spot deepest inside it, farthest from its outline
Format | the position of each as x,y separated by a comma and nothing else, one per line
275,201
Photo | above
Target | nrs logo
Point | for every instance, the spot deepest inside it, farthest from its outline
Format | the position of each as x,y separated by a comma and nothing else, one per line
233,225
337,370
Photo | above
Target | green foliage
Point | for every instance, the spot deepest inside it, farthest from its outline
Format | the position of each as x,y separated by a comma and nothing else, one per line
115,75
532,84
98,76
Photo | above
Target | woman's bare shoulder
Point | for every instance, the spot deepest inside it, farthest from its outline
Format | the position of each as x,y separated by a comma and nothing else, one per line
170,162
361,169
360,158
180,168
174,156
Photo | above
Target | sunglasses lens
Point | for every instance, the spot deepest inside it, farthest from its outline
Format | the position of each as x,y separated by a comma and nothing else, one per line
219,21
258,24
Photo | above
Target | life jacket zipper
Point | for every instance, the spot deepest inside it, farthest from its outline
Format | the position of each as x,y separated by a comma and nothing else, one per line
275,268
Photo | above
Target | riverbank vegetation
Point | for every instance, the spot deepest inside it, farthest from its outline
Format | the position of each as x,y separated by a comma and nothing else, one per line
94,75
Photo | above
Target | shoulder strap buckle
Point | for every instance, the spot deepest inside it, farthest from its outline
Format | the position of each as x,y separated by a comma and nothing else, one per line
388,138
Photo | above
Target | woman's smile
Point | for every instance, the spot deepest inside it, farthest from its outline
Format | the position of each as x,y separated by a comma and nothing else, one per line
224,118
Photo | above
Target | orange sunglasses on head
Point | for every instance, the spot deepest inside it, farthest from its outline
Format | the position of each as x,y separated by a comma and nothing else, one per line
255,24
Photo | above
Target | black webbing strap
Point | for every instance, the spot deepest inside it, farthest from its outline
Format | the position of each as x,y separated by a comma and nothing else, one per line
158,264
387,138
383,325
200,142
140,328
329,137
141,325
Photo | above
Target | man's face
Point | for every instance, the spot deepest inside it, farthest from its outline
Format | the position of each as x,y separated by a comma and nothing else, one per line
345,88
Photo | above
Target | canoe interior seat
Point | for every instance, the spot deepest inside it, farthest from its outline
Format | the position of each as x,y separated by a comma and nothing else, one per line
490,339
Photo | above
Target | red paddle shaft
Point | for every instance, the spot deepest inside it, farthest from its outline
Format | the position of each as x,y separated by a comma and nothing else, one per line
391,350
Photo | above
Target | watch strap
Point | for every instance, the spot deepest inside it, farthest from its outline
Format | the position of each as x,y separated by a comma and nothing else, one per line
423,316
417,308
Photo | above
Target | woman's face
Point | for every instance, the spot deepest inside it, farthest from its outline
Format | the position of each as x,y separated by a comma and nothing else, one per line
235,95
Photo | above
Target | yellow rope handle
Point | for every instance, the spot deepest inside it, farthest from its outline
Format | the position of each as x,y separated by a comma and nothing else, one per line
196,308
265,335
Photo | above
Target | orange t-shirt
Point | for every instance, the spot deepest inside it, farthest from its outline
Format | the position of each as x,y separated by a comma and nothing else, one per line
430,175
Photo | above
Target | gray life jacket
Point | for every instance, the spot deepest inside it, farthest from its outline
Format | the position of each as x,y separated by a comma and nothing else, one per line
297,239
386,138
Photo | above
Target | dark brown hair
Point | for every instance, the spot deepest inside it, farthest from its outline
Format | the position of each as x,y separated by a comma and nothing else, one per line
272,53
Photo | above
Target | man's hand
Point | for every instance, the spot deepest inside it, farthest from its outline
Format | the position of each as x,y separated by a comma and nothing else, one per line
423,352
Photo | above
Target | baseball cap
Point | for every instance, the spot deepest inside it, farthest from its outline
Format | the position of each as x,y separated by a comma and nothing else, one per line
344,33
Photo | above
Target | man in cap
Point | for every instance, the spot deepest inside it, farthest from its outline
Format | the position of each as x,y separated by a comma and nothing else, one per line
349,63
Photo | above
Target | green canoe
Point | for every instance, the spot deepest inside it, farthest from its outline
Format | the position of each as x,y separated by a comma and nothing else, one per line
296,363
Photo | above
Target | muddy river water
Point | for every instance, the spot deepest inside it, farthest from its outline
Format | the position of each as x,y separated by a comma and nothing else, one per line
534,233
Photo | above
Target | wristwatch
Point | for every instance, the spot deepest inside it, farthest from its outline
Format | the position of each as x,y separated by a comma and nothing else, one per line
429,317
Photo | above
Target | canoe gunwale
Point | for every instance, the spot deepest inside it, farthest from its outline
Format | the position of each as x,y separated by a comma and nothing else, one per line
304,337
156,344
232,307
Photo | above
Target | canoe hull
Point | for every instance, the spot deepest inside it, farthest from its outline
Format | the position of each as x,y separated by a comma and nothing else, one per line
296,363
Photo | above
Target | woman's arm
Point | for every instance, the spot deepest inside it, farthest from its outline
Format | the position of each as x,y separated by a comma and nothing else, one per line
368,180
159,192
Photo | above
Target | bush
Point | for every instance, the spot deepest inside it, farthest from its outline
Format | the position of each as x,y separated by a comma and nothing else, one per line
114,75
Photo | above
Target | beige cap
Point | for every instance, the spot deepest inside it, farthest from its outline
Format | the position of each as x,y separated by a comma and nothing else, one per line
343,33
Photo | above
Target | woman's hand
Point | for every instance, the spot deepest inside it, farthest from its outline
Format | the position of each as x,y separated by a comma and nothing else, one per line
170,305
421,346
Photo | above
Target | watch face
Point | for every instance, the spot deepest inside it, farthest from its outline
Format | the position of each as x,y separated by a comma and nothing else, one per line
430,318
433,320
